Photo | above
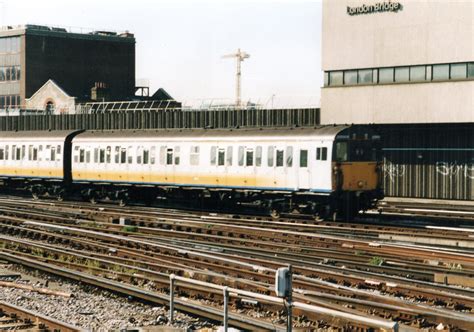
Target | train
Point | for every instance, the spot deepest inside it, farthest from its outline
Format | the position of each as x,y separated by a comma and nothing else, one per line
326,171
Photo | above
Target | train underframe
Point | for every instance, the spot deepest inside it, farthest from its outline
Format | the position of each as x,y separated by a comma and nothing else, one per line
334,205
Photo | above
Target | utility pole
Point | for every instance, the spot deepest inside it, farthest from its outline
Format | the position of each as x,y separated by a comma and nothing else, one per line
240,56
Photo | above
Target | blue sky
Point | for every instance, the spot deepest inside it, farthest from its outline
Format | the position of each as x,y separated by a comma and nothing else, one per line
180,43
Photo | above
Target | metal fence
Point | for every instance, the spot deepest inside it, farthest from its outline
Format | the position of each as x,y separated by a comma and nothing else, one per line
159,119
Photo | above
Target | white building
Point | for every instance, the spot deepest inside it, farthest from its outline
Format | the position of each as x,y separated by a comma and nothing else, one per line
401,61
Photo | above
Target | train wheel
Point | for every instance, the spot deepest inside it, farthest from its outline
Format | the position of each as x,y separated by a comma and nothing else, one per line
275,213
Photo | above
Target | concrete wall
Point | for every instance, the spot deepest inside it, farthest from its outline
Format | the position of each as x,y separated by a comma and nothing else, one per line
422,32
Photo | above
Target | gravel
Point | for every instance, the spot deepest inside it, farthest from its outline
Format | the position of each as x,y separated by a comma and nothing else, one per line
90,307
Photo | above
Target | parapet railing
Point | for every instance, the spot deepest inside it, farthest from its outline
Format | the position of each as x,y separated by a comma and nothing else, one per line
234,292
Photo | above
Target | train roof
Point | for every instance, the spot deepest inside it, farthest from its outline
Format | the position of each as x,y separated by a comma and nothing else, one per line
37,134
323,132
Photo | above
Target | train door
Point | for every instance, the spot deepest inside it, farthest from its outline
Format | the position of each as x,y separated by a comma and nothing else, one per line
278,163
302,163
218,165
321,169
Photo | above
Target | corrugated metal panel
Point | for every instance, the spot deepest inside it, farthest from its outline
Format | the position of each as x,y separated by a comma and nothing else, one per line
429,161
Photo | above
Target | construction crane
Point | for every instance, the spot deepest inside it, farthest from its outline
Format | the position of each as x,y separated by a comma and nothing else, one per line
240,56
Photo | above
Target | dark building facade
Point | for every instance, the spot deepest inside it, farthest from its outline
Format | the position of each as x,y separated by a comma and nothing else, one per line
31,55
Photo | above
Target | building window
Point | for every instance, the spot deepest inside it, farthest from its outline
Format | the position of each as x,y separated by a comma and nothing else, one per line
470,69
335,78
417,73
386,75
440,72
458,70
350,77
365,76
402,74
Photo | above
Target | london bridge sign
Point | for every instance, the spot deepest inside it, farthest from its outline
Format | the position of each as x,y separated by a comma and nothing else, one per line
377,8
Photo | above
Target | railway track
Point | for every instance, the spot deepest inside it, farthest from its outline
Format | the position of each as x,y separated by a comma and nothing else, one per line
13,318
371,270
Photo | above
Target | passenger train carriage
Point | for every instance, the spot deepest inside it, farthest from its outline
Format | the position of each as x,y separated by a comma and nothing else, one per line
323,171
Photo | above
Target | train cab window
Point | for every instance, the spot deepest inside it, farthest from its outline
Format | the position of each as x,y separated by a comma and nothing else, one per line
117,155
303,158
176,155
241,155
289,156
258,156
279,158
152,155
249,157
229,156
81,155
194,156
341,151
270,156
213,155
221,157
146,156
169,156
123,155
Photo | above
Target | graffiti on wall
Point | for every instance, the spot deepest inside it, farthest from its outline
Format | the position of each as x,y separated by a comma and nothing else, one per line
451,169
393,171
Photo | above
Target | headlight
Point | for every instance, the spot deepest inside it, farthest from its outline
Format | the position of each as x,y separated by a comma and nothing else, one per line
360,184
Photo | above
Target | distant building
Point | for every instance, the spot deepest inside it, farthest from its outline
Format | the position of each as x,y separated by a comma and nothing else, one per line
97,65
399,61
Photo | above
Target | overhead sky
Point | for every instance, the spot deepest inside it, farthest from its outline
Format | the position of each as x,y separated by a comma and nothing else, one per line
180,43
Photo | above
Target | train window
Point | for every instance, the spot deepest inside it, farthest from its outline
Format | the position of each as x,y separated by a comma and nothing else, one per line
213,155
102,156
176,155
241,155
146,156
96,155
194,155
221,157
324,154
341,151
318,153
53,153
35,153
249,157
108,155
88,156
117,155
258,156
289,156
18,153
152,155
123,155
76,154
58,149
81,155
30,152
13,152
169,156
279,158
130,154
162,155
229,156
2,153
6,151
139,155
303,158
271,155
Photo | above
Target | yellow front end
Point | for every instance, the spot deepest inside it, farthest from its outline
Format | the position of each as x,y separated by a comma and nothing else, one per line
356,176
